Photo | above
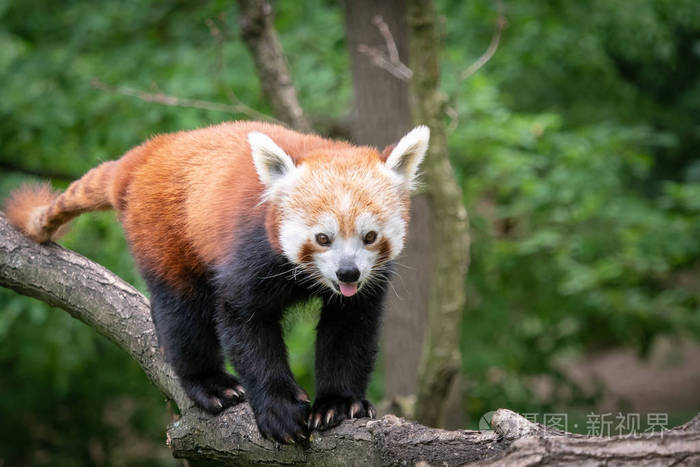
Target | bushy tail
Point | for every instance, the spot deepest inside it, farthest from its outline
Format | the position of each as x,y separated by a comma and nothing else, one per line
39,211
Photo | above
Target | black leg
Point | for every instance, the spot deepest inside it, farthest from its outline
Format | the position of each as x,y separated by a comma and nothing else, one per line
252,337
187,335
346,348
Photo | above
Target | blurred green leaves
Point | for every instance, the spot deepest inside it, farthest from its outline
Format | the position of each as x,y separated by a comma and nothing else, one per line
576,147
582,195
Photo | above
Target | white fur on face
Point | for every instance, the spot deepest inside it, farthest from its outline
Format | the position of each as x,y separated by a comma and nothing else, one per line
344,250
294,233
395,232
378,192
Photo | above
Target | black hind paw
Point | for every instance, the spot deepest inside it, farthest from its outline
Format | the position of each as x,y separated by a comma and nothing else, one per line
281,416
329,411
214,393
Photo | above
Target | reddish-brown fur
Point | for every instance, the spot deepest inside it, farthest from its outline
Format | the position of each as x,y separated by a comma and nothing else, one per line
23,203
181,196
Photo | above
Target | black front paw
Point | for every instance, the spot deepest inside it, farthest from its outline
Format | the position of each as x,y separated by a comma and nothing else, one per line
329,411
281,415
214,392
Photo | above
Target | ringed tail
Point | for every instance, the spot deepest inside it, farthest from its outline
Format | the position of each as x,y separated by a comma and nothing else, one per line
40,212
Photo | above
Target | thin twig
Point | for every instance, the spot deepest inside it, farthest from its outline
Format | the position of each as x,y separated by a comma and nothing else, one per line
493,46
388,38
389,61
175,101
218,36
219,32
258,32
501,22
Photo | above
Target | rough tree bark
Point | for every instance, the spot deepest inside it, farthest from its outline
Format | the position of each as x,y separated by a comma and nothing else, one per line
381,114
441,358
103,301
261,38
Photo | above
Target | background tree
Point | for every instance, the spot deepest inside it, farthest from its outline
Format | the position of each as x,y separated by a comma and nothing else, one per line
429,289
441,359
573,148
381,114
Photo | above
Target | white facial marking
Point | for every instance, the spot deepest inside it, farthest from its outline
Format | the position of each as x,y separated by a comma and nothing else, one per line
293,234
345,202
348,250
395,232
327,224
327,261
365,223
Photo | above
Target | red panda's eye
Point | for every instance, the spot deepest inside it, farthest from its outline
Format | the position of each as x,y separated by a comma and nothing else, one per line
322,239
370,237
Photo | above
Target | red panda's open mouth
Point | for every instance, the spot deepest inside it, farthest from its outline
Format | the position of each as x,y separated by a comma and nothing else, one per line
347,289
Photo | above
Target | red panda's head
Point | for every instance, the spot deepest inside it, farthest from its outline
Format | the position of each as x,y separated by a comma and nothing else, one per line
340,215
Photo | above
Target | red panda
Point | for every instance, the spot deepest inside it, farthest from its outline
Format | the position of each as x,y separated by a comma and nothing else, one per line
231,224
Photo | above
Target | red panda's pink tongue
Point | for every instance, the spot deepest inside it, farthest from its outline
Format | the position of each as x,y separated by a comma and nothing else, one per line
348,289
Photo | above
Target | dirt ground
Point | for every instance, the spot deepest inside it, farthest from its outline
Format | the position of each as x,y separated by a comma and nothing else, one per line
668,381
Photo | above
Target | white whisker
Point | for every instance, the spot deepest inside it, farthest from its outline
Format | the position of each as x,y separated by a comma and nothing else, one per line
278,274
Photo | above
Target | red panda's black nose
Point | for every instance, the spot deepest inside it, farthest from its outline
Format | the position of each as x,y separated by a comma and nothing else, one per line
348,273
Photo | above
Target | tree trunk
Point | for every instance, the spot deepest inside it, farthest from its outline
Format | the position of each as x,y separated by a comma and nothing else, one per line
381,115
381,112
441,361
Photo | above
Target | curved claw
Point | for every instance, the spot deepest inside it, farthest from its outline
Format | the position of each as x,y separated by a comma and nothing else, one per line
330,411
282,417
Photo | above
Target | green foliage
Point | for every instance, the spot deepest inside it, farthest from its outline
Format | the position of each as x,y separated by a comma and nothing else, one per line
575,147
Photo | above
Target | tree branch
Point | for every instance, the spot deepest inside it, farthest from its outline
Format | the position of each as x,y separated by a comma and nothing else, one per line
89,293
493,46
451,110
388,61
535,444
441,358
219,32
174,101
261,38
116,310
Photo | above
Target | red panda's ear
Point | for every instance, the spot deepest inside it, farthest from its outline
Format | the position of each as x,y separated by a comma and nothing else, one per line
408,153
271,162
